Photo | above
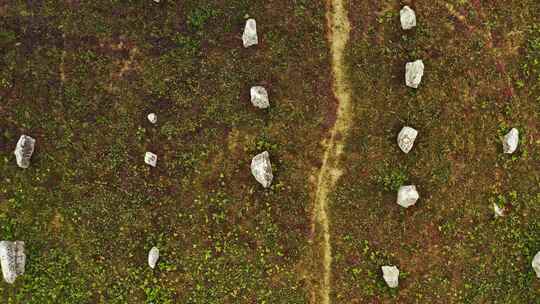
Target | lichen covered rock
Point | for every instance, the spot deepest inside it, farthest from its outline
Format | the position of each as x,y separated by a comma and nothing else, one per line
259,97
250,33
261,168
12,260
24,150
407,196
406,138
391,276
407,18
414,71
510,141
153,256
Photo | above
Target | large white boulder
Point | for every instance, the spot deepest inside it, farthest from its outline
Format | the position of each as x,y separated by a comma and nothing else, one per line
391,276
414,71
153,256
250,33
510,141
407,196
407,18
150,159
261,168
24,150
406,138
12,260
259,97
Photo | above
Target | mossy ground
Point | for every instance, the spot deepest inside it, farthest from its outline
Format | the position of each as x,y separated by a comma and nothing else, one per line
81,76
481,78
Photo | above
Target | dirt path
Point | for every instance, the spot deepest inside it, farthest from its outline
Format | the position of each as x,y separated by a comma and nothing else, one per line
338,36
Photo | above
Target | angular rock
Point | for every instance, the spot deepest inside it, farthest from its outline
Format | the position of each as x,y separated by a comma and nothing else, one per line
536,264
250,33
498,210
12,260
413,73
259,97
150,159
391,276
510,141
407,18
406,138
24,150
153,256
261,168
152,118
407,196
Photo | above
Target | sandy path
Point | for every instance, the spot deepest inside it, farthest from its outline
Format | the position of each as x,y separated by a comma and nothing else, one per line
338,36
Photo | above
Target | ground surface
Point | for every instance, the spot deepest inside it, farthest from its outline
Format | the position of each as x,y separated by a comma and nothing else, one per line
81,76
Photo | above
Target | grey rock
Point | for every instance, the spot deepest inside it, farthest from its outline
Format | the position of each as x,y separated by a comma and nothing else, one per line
152,118
536,264
510,141
24,150
153,256
259,97
407,196
406,138
150,159
407,18
12,260
391,276
250,33
414,71
261,168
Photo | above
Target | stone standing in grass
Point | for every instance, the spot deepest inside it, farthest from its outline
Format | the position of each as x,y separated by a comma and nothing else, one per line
152,118
407,18
153,256
414,71
536,264
407,196
259,97
406,138
391,276
261,168
510,141
24,150
12,260
150,159
498,210
250,33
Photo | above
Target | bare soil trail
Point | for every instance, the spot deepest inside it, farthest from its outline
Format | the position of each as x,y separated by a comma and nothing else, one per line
330,171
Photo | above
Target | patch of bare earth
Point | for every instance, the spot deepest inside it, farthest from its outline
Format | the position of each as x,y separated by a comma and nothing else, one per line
330,171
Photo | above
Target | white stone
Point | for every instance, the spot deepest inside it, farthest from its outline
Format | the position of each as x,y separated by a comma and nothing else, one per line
261,168
536,264
510,141
153,256
152,118
150,159
391,276
24,150
498,210
413,73
250,33
259,97
407,18
407,196
406,138
12,260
